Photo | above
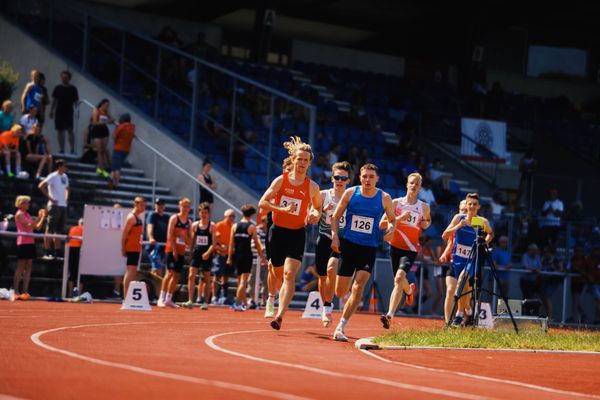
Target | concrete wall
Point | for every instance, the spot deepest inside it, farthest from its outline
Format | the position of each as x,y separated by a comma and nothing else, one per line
24,54
347,58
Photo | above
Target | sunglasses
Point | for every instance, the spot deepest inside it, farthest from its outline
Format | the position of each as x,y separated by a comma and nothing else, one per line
340,178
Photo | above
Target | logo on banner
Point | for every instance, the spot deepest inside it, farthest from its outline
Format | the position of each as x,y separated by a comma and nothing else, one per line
484,135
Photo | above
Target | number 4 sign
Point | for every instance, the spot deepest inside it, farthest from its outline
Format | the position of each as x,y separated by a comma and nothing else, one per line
314,306
137,297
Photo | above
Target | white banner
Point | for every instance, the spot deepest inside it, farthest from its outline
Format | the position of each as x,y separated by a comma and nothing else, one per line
488,133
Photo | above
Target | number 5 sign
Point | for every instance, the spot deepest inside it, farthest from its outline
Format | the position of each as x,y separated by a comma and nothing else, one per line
137,297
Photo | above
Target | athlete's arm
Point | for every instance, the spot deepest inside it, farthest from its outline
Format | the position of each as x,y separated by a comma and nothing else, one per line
389,212
213,233
257,243
445,257
231,244
426,221
488,230
171,236
265,201
335,219
383,224
454,225
27,88
317,203
128,225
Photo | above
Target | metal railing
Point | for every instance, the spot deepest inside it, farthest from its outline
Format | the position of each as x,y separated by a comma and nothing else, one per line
487,161
164,82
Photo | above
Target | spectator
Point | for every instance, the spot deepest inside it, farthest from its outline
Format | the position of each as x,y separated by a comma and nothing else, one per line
44,102
6,116
33,151
64,98
496,203
25,244
100,120
206,178
9,145
156,231
261,231
550,222
549,283
333,155
131,245
74,252
28,120
222,270
593,276
32,94
426,193
502,258
123,135
531,261
526,167
578,265
308,279
56,189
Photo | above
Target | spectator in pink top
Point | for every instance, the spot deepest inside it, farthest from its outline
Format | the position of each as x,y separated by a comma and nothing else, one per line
25,244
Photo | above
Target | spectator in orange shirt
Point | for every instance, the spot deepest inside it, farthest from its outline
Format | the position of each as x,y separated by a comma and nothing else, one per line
74,250
123,135
9,145
221,268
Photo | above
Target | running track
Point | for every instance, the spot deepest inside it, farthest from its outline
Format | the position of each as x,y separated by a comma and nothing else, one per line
81,351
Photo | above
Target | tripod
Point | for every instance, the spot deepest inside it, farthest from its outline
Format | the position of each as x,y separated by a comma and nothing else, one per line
478,255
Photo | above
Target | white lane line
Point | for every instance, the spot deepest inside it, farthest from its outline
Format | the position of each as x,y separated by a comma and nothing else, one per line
9,397
210,341
36,338
483,378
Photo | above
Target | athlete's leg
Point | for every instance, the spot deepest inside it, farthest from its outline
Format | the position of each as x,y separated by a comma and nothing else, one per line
449,300
288,288
192,283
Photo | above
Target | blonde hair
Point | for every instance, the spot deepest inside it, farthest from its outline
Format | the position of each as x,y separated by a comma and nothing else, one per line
294,145
6,103
15,128
22,200
415,175
463,203
139,199
184,200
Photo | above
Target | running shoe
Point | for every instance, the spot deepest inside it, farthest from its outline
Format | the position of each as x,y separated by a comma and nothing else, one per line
236,307
457,323
188,304
99,171
410,298
276,323
339,335
204,306
270,310
171,304
160,303
105,174
385,321
25,296
10,174
469,321
327,318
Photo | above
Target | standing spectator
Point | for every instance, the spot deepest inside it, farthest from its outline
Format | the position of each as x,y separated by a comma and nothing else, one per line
123,135
205,177
526,167
502,258
6,116
550,222
496,204
64,98
100,120
32,151
9,145
594,280
74,253
156,230
56,189
549,283
426,193
44,102
578,265
261,231
531,261
222,270
131,241
33,93
25,244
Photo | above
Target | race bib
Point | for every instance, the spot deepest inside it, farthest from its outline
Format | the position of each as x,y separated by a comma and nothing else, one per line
462,250
286,201
362,224
343,220
413,219
180,241
201,240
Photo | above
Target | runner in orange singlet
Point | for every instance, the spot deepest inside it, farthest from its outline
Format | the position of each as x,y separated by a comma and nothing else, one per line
131,245
412,215
293,193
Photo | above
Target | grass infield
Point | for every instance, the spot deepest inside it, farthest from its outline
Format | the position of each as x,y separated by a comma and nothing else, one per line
555,339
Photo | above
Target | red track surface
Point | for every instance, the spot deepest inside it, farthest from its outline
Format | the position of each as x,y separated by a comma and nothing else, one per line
100,352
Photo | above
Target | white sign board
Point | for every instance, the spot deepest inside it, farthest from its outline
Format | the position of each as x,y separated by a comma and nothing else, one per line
314,306
491,134
101,246
137,297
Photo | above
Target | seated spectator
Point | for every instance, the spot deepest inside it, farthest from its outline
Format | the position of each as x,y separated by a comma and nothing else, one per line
502,258
33,151
530,282
9,145
549,283
6,116
308,279
30,119
123,135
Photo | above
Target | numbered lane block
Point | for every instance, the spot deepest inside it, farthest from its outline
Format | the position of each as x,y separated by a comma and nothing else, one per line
137,297
314,306
486,319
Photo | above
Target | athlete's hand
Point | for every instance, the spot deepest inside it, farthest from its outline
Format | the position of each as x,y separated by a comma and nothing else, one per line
123,252
328,207
290,208
313,219
389,234
335,244
205,255
444,259
229,262
404,216
175,256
